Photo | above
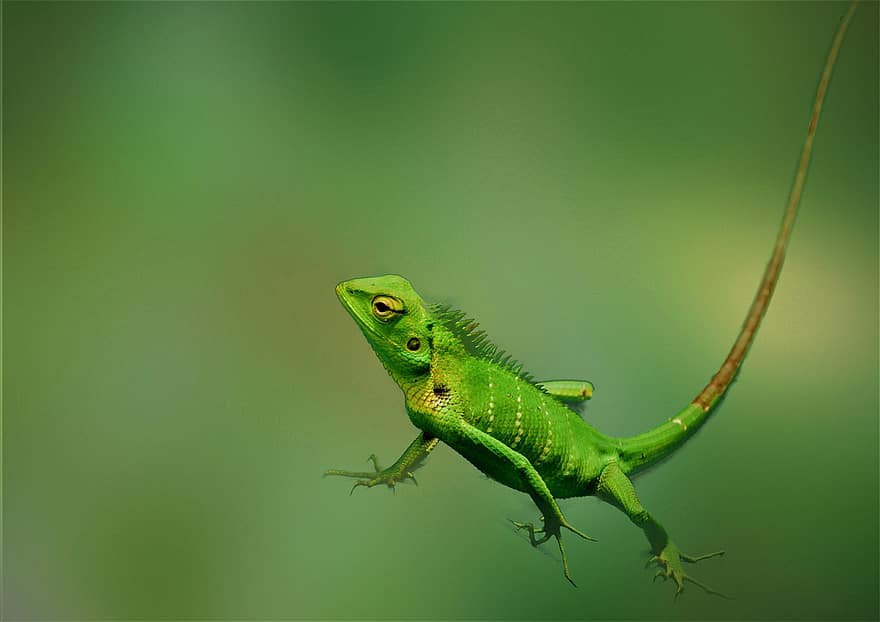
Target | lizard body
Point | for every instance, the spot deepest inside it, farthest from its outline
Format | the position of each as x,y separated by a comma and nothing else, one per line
460,390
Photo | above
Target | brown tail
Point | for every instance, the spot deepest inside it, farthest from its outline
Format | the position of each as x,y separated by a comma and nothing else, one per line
721,380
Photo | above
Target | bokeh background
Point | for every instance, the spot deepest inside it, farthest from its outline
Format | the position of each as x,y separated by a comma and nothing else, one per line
599,184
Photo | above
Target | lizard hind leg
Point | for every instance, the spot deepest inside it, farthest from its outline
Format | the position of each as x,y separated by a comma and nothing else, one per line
616,488
530,482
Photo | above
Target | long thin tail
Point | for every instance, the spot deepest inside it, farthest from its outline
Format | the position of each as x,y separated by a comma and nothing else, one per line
640,451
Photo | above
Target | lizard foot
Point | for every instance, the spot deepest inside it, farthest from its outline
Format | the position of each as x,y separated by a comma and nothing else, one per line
669,560
390,477
552,528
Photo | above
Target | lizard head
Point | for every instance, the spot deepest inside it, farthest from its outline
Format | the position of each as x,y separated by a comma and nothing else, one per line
394,319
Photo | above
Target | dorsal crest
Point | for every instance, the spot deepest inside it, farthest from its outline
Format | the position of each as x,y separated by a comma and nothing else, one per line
477,342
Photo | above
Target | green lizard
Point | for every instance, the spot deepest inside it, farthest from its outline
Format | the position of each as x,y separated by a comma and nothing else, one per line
460,389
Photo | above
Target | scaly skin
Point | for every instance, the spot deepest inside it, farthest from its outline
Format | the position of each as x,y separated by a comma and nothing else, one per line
460,391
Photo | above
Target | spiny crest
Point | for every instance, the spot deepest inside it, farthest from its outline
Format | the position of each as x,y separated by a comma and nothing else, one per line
477,341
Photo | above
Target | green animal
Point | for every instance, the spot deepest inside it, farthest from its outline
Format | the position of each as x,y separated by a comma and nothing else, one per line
460,389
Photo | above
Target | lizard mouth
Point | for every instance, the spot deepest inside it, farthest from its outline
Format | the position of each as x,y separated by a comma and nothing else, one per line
344,293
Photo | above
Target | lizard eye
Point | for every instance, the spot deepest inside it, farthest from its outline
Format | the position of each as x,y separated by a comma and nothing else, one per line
413,344
386,306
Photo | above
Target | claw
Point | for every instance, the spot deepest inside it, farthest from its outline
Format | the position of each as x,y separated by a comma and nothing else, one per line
705,587
669,561
532,531
520,525
539,541
564,561
694,560
578,532
347,473
389,477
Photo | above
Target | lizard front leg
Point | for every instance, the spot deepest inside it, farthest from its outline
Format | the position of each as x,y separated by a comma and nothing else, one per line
617,489
571,391
412,458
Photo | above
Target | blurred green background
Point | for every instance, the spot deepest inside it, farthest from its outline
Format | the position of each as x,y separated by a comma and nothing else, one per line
599,184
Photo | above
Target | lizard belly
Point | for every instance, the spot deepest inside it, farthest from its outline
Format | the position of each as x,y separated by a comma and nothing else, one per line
491,465
571,467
